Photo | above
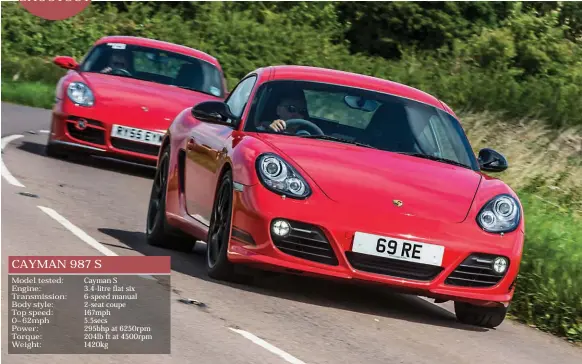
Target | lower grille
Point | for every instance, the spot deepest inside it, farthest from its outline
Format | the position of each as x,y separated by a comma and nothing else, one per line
135,147
475,271
393,267
89,121
307,242
91,135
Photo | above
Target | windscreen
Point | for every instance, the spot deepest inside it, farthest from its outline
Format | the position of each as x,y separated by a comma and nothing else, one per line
155,65
376,119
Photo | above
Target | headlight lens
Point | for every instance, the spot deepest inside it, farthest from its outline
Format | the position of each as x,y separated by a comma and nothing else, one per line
80,94
278,176
501,214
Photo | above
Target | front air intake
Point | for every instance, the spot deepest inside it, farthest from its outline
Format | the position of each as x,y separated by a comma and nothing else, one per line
305,241
475,271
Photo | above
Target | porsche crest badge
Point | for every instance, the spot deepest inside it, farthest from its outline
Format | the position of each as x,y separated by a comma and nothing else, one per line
397,203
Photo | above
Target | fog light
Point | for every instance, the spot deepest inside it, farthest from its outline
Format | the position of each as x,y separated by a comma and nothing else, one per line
281,228
500,265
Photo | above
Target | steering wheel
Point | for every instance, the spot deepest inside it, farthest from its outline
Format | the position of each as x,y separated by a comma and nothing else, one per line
121,71
304,123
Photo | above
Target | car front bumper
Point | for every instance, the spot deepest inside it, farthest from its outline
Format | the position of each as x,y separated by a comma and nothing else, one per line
318,221
89,129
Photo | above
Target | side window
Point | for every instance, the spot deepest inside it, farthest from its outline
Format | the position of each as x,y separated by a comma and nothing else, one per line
443,138
88,63
240,95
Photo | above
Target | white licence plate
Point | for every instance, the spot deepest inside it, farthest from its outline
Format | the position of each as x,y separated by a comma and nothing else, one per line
137,135
408,250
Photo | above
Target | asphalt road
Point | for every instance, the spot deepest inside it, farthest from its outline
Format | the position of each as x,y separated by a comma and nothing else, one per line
300,320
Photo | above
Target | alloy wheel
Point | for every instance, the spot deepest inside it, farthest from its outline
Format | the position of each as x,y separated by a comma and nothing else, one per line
219,229
158,195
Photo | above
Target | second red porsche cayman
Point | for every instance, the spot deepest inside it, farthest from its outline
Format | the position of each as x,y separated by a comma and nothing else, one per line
121,98
338,175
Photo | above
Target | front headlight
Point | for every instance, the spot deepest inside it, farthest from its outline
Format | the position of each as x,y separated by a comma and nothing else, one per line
80,94
500,215
278,176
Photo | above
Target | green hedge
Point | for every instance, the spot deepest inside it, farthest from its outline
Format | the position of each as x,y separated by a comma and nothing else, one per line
549,288
34,94
524,67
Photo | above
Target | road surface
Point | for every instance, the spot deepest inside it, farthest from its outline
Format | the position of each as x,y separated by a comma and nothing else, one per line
281,319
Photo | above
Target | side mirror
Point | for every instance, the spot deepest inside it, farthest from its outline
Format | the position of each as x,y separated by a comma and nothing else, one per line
66,62
492,161
215,112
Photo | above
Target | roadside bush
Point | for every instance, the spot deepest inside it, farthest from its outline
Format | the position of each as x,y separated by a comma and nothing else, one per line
518,63
18,67
29,93
549,289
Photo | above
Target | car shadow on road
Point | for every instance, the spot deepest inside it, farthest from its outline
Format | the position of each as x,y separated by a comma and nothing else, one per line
117,166
366,299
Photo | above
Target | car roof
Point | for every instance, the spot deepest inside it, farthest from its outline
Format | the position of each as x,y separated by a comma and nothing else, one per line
166,46
325,75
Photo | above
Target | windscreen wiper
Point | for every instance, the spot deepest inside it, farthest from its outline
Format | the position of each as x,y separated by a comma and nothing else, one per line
336,139
194,89
435,158
186,87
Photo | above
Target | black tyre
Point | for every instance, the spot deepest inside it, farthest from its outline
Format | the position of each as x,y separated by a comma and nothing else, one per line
158,233
489,317
217,263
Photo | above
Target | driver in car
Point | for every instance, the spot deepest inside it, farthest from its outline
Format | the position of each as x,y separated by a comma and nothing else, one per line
288,108
116,61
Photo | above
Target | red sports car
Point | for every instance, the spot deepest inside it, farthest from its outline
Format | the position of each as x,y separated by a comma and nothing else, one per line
125,93
339,175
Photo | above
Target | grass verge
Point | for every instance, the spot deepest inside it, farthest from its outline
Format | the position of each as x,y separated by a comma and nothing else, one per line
545,170
549,288
34,94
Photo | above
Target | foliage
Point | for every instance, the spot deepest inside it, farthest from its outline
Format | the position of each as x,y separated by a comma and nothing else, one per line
520,59
384,28
549,289
30,94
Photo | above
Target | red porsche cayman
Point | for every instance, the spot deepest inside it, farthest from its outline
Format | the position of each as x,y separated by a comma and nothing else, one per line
339,175
121,98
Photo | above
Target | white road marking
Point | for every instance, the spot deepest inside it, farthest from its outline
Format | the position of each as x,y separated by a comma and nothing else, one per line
77,231
5,172
83,235
265,345
44,131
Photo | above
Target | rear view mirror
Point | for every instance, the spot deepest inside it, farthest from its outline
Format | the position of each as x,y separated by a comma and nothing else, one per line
359,103
492,161
215,112
66,62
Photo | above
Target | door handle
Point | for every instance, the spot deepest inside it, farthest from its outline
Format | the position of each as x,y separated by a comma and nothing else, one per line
191,145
